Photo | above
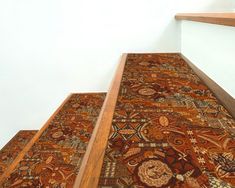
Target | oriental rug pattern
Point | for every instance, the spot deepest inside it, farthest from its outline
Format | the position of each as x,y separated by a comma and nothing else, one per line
168,129
10,151
54,160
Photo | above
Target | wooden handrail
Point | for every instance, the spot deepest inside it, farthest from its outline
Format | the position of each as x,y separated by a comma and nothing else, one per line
227,19
90,169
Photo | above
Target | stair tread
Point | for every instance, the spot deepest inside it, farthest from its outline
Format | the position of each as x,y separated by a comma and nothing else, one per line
55,158
168,129
10,151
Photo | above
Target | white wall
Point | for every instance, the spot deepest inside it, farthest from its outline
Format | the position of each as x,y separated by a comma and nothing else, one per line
212,49
49,48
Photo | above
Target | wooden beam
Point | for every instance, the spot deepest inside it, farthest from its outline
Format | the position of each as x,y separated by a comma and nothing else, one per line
227,19
224,98
90,169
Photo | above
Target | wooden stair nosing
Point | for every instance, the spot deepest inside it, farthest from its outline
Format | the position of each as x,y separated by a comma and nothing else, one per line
223,97
89,172
30,144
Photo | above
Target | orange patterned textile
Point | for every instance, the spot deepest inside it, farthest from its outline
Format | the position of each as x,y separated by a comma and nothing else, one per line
54,160
9,152
168,129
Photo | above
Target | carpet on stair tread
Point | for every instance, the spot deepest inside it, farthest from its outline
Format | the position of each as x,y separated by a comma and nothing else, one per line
168,129
10,151
54,160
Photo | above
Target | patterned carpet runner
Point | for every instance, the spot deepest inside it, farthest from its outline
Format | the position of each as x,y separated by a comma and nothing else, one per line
168,129
54,160
10,151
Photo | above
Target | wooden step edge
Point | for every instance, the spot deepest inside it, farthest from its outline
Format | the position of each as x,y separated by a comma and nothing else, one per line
90,169
223,97
21,155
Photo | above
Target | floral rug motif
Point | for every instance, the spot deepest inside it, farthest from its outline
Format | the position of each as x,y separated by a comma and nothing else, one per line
10,151
54,160
168,129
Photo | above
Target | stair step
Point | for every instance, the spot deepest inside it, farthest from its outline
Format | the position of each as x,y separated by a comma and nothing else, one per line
10,151
55,157
168,130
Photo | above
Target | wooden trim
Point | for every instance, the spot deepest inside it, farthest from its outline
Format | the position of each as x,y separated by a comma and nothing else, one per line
89,172
21,155
227,19
224,98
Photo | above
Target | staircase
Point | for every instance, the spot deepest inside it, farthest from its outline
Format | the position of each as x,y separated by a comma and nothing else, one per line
162,124
53,156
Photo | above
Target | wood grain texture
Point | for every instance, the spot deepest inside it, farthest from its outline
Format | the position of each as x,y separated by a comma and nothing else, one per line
92,162
20,156
227,19
227,100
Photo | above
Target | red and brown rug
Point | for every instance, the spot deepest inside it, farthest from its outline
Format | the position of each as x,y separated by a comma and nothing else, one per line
54,160
11,150
168,129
